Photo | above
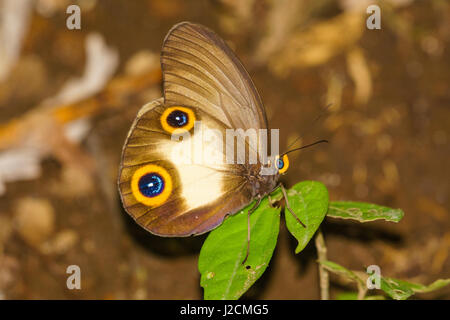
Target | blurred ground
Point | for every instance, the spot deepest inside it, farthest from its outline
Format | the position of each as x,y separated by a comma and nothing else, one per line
68,98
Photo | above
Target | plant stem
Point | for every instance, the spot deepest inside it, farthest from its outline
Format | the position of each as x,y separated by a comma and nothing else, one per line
323,273
362,290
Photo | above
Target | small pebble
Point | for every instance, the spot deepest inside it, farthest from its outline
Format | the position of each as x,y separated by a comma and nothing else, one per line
34,220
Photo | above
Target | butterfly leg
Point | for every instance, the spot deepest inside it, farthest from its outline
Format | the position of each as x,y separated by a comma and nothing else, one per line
249,212
271,204
289,207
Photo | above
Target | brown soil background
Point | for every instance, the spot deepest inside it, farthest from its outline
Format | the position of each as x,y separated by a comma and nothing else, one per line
388,129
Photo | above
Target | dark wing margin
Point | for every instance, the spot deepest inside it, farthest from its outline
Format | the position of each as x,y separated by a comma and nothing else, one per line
199,69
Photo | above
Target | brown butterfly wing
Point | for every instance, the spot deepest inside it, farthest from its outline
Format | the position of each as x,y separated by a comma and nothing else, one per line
202,194
199,69
200,72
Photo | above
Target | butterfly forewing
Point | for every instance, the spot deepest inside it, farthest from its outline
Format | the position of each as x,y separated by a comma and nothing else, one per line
199,69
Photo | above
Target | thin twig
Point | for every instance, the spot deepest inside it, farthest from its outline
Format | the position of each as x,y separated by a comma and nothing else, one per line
323,273
362,290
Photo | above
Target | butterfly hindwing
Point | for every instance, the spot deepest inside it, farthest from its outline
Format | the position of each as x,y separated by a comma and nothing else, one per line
195,197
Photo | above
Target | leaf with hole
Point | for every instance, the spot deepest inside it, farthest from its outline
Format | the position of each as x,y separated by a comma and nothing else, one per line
363,212
401,290
396,289
220,263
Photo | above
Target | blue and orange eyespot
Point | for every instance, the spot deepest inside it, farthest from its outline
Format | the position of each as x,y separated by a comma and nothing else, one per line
177,118
151,185
282,163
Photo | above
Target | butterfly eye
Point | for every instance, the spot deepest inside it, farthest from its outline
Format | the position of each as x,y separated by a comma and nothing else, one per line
282,163
151,185
177,118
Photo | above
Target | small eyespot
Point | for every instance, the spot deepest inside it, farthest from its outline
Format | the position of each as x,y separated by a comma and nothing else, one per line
151,185
177,117
282,163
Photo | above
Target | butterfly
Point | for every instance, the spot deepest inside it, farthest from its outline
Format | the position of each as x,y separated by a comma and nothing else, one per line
203,81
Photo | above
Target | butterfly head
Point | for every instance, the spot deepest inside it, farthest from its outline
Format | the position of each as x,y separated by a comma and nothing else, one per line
275,165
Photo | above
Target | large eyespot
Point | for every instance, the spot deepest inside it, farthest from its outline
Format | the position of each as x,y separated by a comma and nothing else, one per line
151,185
176,117
282,163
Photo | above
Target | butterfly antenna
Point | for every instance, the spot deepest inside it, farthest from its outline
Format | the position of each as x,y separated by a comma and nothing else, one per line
306,146
316,119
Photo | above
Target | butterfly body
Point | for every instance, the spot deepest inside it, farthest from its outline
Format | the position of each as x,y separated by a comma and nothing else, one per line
167,183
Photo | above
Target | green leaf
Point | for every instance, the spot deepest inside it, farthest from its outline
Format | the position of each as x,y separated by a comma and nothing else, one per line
438,284
401,290
343,272
363,212
220,263
396,289
347,296
354,296
276,195
309,201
